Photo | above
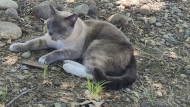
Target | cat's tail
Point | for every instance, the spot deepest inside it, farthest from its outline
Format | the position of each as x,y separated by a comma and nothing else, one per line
118,82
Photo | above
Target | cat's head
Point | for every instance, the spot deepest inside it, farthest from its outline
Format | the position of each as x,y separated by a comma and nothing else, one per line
60,25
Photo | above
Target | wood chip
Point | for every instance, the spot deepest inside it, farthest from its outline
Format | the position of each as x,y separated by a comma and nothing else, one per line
34,63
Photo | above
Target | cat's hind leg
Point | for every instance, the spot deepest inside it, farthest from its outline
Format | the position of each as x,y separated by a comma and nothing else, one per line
74,63
76,69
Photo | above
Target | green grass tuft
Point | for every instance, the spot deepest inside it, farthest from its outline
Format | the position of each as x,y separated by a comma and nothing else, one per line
44,29
3,96
95,88
45,71
185,58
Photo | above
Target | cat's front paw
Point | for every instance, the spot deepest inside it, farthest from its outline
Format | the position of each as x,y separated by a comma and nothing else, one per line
16,47
43,60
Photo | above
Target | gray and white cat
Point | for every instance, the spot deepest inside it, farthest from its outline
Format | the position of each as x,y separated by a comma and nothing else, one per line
106,52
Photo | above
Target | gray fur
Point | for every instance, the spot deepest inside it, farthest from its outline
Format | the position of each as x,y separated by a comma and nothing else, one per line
107,54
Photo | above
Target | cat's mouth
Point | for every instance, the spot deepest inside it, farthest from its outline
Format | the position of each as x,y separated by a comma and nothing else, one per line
54,38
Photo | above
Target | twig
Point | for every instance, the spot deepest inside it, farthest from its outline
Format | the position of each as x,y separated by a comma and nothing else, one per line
34,63
8,104
135,24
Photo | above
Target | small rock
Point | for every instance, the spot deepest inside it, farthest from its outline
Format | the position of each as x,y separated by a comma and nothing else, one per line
9,30
151,33
183,75
5,4
184,53
54,68
63,105
162,42
185,25
179,87
34,99
179,20
117,3
20,77
1,93
104,1
87,92
13,70
126,4
39,28
180,14
110,5
177,10
57,82
187,72
151,42
146,70
167,24
168,43
145,10
92,6
186,45
187,67
25,71
9,41
26,54
155,49
165,36
187,39
118,19
158,24
23,67
12,12
2,44
82,9
42,10
181,30
127,90
57,105
121,7
152,20
158,94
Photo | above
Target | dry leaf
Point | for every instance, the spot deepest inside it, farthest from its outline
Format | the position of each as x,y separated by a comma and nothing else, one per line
9,41
96,103
136,94
87,102
173,55
10,60
64,85
47,82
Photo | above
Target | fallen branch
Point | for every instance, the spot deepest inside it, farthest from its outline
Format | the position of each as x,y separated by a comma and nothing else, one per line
34,63
8,104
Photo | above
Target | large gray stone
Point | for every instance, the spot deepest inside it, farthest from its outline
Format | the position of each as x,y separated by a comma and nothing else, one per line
12,12
42,10
9,30
82,9
5,4
118,19
145,10
92,6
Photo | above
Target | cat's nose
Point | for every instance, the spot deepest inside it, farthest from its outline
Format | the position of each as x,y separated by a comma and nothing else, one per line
50,33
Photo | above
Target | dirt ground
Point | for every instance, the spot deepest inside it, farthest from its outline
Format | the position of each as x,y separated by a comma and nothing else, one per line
162,80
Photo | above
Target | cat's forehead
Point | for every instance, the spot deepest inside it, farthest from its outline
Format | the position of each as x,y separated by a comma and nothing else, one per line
59,16
64,13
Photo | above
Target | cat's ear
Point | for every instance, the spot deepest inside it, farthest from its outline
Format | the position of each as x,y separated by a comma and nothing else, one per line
53,11
72,19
